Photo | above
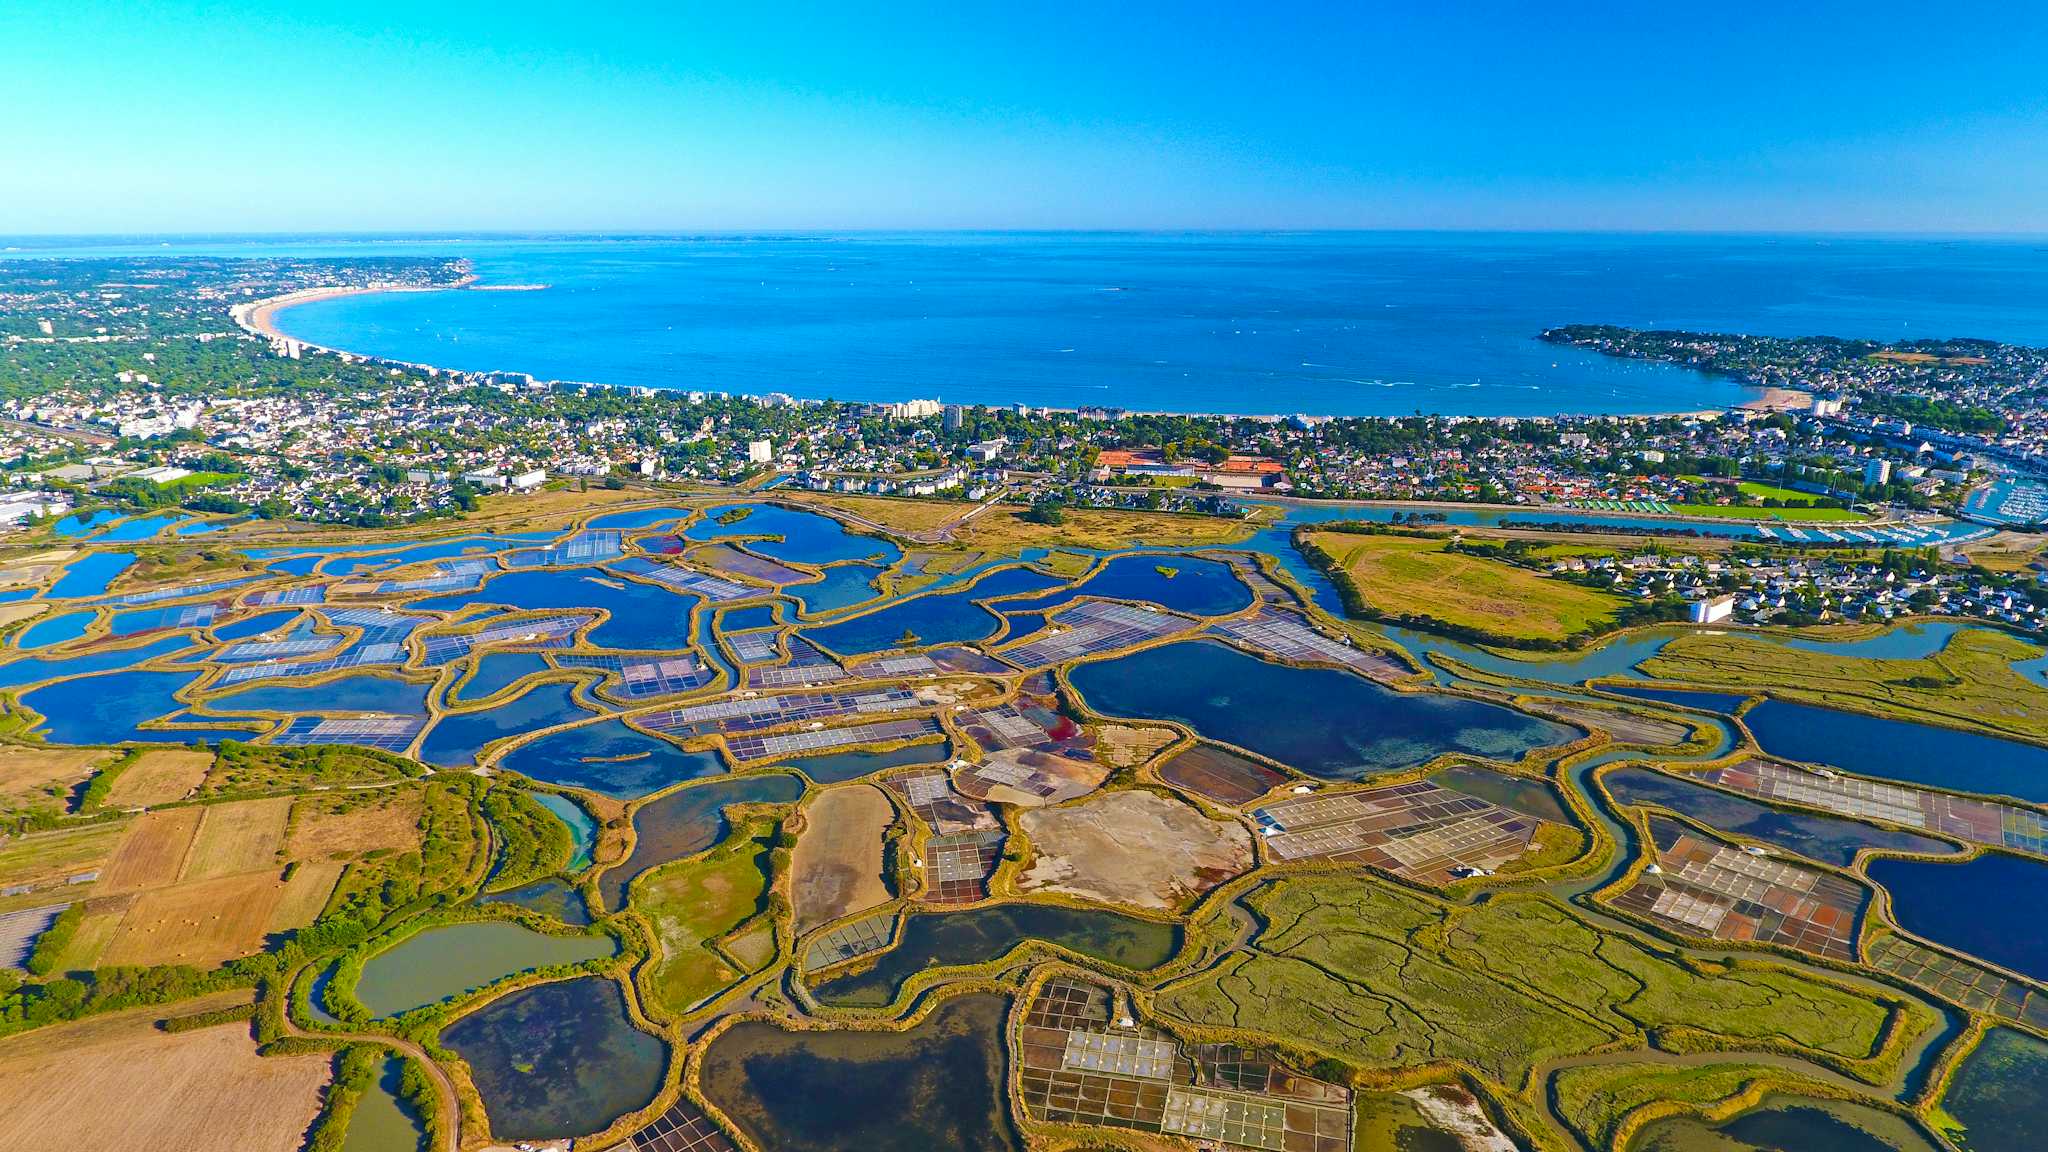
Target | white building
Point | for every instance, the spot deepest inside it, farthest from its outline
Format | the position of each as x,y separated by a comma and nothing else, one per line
1877,472
915,409
1710,610
527,481
760,451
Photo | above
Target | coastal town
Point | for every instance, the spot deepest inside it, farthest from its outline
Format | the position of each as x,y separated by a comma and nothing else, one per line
110,371
1023,578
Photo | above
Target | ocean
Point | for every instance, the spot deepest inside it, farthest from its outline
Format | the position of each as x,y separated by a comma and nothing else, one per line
1363,324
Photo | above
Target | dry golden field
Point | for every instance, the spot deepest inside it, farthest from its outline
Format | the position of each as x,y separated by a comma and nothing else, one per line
199,922
116,1083
30,774
333,825
152,852
159,776
239,837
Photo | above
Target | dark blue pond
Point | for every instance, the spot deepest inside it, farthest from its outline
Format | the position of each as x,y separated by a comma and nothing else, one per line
562,1059
362,693
611,759
1023,624
80,523
1322,721
255,625
55,630
29,671
1992,907
498,671
942,618
642,616
1723,702
806,537
1196,586
843,586
750,617
106,709
90,574
456,738
1898,750
297,565
1827,839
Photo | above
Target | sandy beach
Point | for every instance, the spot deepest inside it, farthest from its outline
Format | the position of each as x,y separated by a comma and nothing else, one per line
260,316
1780,400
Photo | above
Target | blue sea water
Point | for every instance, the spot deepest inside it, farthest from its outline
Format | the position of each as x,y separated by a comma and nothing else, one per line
1335,323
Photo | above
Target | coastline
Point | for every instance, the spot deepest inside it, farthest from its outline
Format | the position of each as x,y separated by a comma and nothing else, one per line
1775,399
259,317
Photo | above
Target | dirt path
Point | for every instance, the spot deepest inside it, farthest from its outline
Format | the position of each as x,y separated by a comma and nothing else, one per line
445,1096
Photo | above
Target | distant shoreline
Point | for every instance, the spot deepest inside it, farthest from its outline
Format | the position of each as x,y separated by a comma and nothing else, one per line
260,318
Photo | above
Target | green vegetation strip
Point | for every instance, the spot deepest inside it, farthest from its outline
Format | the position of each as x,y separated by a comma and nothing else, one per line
1376,975
1970,683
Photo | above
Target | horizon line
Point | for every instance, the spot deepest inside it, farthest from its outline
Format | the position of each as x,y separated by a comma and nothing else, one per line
543,233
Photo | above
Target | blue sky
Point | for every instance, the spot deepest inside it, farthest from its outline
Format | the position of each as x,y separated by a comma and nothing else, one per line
1875,116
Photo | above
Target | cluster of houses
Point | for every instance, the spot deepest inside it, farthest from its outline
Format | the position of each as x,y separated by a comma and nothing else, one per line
1759,590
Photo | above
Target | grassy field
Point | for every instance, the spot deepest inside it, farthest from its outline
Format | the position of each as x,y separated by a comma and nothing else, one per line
1003,531
159,564
1968,683
264,768
899,515
1388,978
2007,553
836,867
117,1082
159,776
152,853
1746,512
44,778
241,837
339,826
200,885
1596,1100
1403,575
694,902
199,922
42,857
